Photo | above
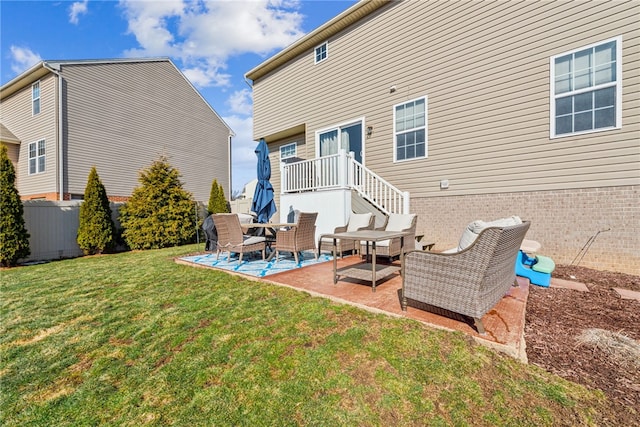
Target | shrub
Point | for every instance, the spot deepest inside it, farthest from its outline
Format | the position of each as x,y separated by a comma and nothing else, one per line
160,213
14,238
96,231
217,201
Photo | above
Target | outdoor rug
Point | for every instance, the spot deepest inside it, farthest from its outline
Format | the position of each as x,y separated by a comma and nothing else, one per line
256,266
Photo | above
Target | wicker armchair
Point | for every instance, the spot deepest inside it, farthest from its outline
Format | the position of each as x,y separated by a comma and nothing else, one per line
469,282
395,222
231,239
299,237
357,222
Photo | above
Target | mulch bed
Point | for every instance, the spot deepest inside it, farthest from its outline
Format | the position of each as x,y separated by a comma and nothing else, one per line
556,319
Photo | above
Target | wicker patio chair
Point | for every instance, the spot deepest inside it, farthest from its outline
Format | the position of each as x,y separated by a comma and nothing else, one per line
298,238
231,239
469,282
395,222
356,222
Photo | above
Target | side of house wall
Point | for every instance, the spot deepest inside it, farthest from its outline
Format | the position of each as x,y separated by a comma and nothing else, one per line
17,116
122,116
13,151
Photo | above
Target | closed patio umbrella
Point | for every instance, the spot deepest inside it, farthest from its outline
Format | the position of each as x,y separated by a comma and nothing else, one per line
263,204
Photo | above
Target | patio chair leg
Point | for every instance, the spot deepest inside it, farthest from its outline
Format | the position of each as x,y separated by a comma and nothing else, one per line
277,255
240,258
479,326
295,255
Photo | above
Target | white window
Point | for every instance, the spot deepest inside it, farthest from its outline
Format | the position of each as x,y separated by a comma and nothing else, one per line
321,52
35,98
288,150
36,157
410,130
586,89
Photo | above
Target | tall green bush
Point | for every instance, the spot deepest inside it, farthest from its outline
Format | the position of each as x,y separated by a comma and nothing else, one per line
160,213
14,238
217,201
96,231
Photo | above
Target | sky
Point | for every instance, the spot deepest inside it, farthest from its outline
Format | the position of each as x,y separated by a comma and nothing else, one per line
213,42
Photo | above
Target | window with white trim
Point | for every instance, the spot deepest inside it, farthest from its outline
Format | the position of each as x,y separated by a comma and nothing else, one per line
36,157
35,98
410,130
321,52
289,150
586,89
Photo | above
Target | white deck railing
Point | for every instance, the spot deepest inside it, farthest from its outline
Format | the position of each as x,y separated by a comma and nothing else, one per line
343,171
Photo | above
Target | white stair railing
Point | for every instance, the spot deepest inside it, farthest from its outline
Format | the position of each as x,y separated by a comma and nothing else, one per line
343,171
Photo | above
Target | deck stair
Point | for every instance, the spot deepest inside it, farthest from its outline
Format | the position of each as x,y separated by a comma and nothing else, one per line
341,171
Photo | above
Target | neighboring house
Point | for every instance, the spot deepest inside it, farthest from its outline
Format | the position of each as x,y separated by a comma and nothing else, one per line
63,117
466,110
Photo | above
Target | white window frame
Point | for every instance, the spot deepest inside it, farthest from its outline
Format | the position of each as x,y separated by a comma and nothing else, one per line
287,147
38,156
424,127
35,100
591,89
324,45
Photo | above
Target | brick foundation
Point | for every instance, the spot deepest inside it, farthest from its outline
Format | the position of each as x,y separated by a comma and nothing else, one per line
563,221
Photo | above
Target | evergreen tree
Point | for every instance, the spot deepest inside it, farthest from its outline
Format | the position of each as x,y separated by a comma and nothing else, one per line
217,201
213,197
160,213
14,238
96,231
224,205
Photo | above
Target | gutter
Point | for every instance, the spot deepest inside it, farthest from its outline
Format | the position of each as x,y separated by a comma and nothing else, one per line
59,142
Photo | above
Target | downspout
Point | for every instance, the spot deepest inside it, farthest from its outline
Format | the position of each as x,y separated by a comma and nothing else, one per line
60,143
230,189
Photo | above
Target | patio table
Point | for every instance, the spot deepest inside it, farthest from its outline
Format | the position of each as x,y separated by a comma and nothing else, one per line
272,227
367,270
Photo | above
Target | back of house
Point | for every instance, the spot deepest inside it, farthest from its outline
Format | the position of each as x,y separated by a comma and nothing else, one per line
476,110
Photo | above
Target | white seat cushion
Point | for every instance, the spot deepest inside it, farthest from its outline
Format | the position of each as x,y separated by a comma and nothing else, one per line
357,221
399,222
474,228
253,239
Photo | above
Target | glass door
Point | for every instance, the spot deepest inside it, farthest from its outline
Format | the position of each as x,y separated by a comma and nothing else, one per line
348,137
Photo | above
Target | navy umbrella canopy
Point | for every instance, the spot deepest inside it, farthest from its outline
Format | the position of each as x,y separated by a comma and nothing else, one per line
263,204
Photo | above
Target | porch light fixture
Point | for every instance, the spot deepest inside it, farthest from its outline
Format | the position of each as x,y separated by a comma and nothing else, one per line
369,130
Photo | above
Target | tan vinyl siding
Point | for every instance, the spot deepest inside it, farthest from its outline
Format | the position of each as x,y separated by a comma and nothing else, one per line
302,152
123,116
17,116
12,152
484,68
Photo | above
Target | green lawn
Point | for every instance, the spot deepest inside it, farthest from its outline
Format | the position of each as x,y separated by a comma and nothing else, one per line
136,339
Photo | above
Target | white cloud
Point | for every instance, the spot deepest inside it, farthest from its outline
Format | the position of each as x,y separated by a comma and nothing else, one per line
23,58
243,156
204,34
241,102
76,9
